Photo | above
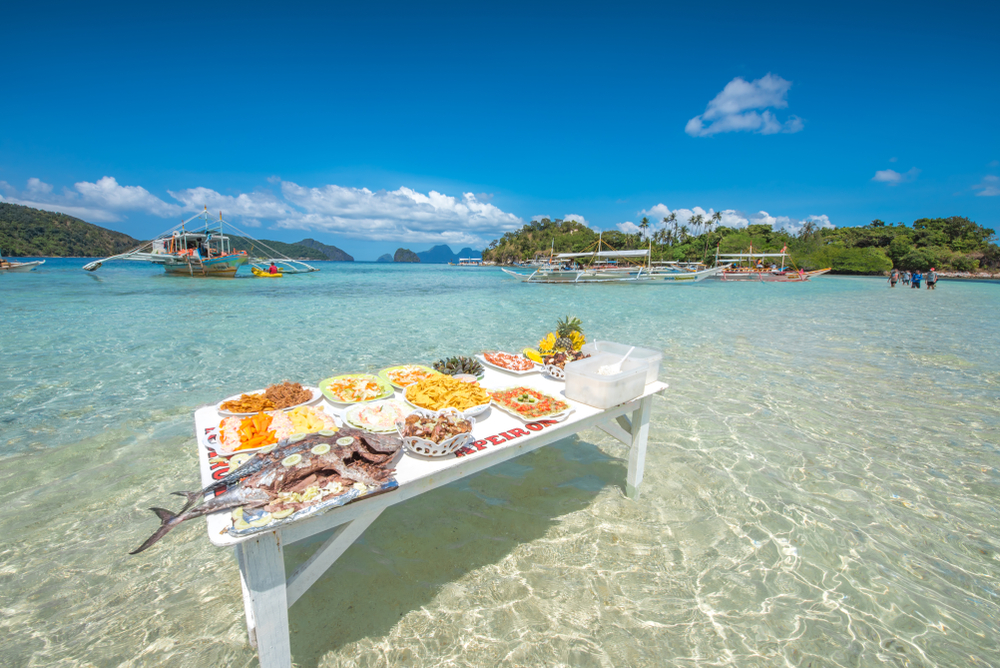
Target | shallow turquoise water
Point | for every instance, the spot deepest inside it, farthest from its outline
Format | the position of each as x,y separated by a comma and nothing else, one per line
821,486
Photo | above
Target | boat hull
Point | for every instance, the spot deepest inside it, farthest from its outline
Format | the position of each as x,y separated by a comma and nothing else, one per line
21,267
218,266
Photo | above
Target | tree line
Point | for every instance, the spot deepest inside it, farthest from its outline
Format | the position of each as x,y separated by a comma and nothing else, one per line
954,243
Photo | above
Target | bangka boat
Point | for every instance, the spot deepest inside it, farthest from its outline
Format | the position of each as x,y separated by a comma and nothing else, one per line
18,267
610,266
204,252
761,267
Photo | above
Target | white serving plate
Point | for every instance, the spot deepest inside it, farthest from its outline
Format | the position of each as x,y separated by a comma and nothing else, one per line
469,412
558,417
316,394
426,449
534,366
350,415
212,439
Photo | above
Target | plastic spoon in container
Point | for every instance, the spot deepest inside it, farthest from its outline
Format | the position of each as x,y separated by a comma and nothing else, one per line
612,369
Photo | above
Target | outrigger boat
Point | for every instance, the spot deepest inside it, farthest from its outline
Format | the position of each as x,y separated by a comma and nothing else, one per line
18,267
741,267
203,253
610,266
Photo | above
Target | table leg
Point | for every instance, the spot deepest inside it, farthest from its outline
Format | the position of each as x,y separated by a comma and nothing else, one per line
637,453
262,574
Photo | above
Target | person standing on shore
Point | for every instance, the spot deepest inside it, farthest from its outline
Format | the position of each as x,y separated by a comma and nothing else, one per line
915,279
931,279
893,277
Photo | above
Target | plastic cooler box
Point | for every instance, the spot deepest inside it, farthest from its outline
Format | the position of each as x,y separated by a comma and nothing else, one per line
586,385
651,358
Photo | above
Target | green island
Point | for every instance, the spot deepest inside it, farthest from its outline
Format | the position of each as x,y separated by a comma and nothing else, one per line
28,232
953,244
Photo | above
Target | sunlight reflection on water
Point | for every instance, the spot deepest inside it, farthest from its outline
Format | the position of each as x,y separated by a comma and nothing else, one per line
821,484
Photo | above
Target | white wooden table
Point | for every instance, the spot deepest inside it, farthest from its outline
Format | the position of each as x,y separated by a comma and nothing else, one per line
267,595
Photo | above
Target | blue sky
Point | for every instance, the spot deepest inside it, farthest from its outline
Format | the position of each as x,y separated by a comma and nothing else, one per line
382,125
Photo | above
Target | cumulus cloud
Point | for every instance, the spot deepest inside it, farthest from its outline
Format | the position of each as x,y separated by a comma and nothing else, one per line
401,215
109,195
38,187
728,218
244,205
988,187
735,109
578,218
628,227
894,178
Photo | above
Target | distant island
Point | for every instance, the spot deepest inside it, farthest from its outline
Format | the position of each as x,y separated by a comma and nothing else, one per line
953,244
405,255
436,255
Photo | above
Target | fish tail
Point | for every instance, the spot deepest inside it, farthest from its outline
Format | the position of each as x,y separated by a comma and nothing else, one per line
168,521
192,499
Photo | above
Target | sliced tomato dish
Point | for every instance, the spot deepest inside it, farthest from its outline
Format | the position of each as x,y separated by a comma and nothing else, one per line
528,403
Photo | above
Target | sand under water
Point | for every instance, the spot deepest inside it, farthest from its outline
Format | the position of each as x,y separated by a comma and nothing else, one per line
821,484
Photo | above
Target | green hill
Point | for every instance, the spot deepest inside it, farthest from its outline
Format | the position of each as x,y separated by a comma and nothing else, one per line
293,251
27,232
332,252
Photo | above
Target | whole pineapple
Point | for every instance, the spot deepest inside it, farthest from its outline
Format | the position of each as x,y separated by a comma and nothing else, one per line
564,331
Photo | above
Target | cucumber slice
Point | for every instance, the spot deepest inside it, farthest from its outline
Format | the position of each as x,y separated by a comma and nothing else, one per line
291,460
321,449
345,440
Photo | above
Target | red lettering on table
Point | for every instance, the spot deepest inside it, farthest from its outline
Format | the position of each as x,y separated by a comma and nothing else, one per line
218,464
548,423
494,441
219,474
534,426
514,433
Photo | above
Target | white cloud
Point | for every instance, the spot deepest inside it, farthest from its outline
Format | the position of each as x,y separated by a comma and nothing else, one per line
734,109
38,187
244,205
628,227
578,218
540,217
728,218
988,187
894,178
107,194
403,214
893,159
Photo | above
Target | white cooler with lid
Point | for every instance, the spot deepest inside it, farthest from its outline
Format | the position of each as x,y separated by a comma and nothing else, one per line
586,385
647,356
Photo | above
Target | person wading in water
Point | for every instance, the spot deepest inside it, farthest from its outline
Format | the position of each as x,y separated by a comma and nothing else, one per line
931,279
893,277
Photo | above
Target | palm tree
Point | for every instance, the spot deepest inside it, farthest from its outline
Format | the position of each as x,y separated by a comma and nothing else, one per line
684,233
644,226
696,221
667,220
716,220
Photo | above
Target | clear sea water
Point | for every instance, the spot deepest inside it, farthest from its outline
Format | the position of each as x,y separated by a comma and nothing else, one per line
822,485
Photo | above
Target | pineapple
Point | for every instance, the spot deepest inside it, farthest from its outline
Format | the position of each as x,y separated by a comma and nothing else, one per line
565,328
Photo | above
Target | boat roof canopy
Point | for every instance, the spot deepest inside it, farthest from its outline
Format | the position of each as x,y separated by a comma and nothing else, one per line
751,255
614,253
